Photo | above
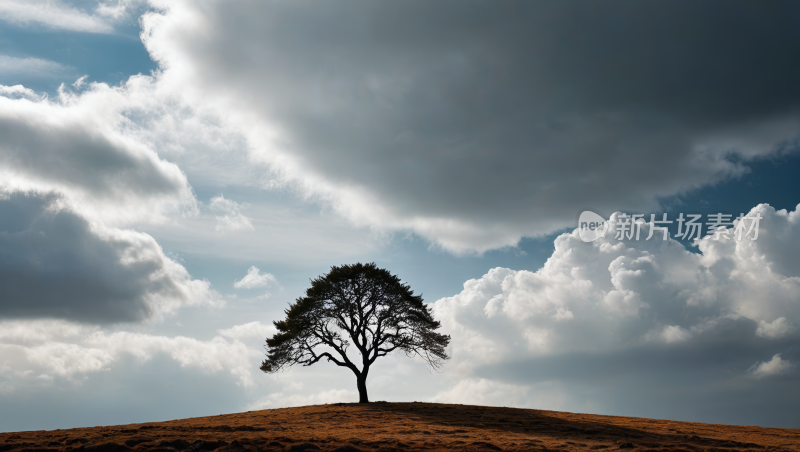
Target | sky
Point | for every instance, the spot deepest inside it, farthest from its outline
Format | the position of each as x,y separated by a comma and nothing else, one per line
172,174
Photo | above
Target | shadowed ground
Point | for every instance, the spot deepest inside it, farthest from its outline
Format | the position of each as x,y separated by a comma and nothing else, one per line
405,426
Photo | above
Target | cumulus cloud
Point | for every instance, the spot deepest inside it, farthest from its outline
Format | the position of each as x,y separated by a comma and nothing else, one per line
18,91
516,138
52,14
254,279
773,367
72,173
627,295
778,328
230,217
674,333
78,172
77,146
55,263
76,175
53,349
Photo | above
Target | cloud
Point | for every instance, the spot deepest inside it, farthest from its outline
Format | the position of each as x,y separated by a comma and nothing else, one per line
231,218
253,279
118,8
78,146
76,177
55,263
776,329
52,14
67,359
80,82
190,144
516,138
282,399
32,67
622,296
31,332
18,91
249,332
55,349
656,330
484,392
773,367
6,388
674,333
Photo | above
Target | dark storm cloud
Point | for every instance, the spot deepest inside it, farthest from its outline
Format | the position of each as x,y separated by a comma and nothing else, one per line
54,264
512,115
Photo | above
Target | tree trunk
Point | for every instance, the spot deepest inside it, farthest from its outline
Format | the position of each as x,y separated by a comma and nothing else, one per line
361,382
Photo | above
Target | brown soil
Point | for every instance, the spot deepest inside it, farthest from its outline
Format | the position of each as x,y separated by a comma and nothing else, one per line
405,426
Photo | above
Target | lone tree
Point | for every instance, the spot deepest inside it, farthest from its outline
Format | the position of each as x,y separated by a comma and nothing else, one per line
362,305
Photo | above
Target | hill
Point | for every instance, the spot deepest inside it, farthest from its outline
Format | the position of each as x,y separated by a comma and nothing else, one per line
405,426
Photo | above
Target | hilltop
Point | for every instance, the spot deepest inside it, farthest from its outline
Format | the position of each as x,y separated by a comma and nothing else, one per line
404,426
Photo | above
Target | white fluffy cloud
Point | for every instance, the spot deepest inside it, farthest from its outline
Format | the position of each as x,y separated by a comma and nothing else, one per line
18,91
776,329
775,366
229,214
253,332
254,279
75,177
610,296
77,173
50,349
78,147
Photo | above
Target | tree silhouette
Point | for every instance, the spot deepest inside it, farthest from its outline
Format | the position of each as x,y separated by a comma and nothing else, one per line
362,305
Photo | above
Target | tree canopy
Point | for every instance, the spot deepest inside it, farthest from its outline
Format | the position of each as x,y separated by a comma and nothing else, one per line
357,305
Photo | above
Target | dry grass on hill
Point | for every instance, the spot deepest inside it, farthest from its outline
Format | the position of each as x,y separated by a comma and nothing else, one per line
405,426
